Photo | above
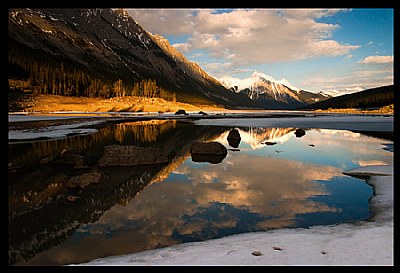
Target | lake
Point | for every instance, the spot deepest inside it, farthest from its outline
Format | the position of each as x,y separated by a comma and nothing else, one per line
271,179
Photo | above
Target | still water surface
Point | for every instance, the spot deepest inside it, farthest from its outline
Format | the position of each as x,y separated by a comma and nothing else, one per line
272,179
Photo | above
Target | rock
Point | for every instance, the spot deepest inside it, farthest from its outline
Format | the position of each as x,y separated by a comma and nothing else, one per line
234,134
270,143
234,138
84,180
208,148
202,113
211,152
234,143
299,132
256,253
213,159
127,155
180,112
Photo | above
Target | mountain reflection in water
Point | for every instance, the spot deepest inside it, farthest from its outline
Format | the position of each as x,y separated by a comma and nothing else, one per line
258,187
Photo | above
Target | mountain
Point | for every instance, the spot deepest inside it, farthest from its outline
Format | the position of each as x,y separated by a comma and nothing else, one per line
267,92
369,98
103,52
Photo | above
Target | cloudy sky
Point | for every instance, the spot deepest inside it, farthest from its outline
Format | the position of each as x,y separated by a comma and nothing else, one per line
314,49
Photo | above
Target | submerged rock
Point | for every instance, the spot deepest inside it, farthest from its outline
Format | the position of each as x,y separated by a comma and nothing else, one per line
84,180
72,156
128,155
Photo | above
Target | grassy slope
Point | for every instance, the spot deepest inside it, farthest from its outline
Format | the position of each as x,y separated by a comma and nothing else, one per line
52,103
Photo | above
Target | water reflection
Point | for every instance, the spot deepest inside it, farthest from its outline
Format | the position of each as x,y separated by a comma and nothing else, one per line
133,209
38,193
143,131
132,132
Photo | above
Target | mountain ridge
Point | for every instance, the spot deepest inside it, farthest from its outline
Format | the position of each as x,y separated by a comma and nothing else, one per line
264,89
368,98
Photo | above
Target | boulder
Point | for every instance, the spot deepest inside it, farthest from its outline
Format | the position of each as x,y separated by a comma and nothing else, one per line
299,132
234,138
270,143
213,159
234,134
212,152
84,180
208,148
180,112
128,155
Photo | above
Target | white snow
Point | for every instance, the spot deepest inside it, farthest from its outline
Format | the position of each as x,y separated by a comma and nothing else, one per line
249,82
336,93
51,132
288,84
58,131
360,243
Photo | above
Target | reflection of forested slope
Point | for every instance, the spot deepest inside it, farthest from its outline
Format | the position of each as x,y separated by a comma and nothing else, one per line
40,217
131,132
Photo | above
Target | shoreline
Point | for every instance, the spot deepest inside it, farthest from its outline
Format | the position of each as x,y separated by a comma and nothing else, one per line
368,242
56,103
45,127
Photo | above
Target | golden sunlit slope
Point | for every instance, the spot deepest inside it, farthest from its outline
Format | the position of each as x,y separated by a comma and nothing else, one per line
53,103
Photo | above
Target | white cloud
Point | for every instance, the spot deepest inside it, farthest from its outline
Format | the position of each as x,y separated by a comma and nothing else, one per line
377,60
182,47
356,81
249,36
164,21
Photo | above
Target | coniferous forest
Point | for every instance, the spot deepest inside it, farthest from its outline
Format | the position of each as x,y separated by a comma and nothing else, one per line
48,77
370,98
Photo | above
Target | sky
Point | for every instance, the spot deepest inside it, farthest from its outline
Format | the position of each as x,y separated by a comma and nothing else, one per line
344,50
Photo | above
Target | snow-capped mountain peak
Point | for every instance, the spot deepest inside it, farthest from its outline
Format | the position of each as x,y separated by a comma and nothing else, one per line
288,84
229,81
260,84
259,75
265,88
